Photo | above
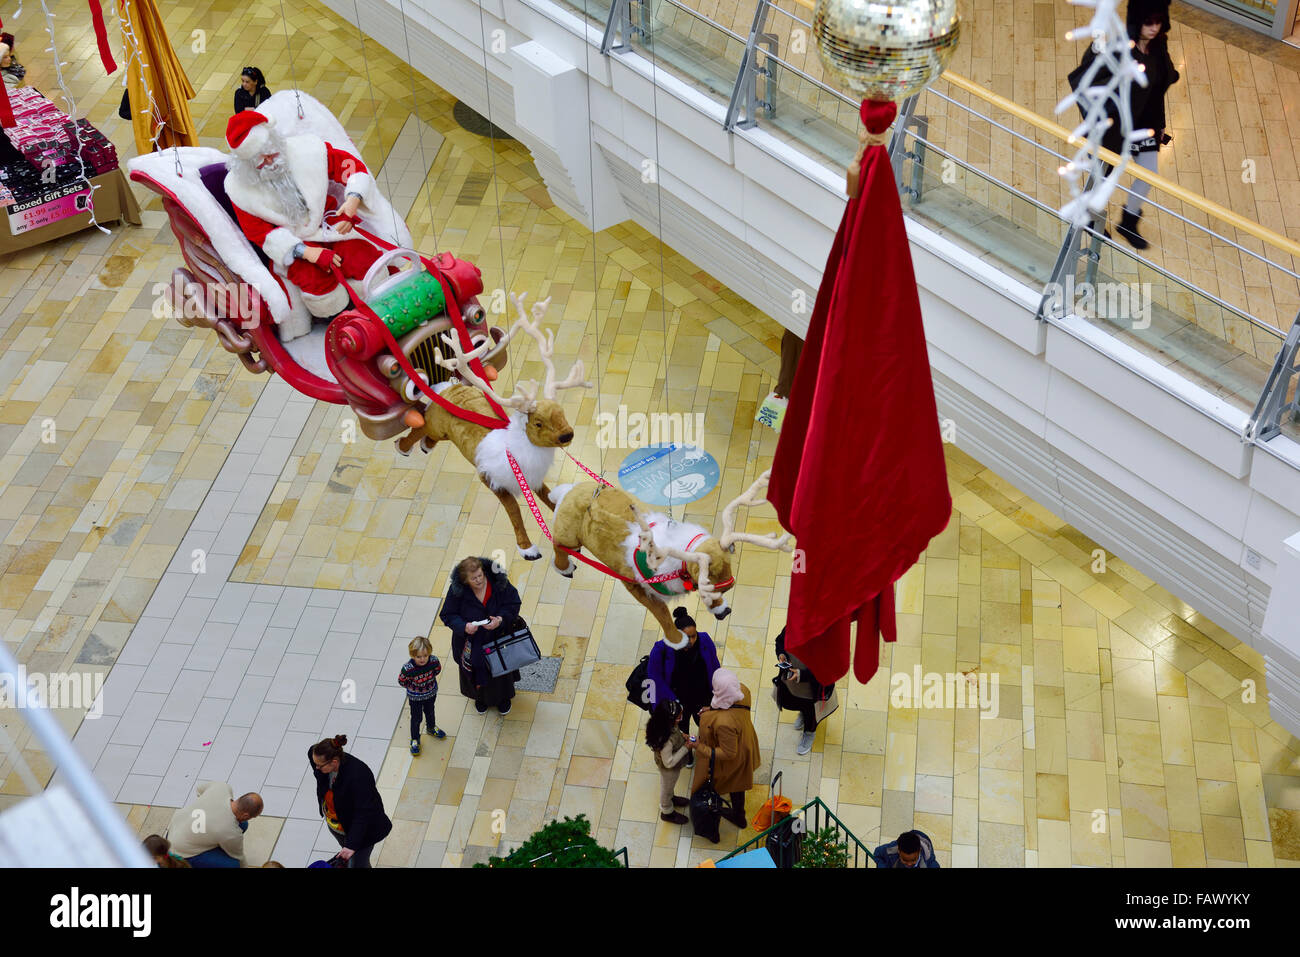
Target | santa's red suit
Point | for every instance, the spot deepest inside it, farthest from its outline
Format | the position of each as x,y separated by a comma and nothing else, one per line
316,166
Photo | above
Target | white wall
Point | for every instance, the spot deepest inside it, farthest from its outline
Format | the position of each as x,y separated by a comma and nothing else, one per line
1148,465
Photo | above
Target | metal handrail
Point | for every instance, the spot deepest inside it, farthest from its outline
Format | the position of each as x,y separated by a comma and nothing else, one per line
1195,200
1207,206
1071,249
700,16
101,812
816,804
792,16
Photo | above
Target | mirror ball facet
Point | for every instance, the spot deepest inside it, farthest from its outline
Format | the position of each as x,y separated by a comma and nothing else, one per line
883,50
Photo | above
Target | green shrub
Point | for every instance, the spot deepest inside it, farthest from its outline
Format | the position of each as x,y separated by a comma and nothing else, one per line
566,843
823,849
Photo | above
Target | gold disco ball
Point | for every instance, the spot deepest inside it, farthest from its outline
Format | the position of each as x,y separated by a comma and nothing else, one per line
886,49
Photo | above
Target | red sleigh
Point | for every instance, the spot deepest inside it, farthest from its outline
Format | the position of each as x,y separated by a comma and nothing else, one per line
226,286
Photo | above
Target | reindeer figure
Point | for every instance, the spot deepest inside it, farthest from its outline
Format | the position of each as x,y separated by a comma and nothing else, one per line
537,425
639,544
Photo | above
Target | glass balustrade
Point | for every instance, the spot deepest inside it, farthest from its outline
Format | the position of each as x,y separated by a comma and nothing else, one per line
596,11
1207,299
692,46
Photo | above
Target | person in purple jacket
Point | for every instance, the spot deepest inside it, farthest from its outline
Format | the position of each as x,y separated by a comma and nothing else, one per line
684,672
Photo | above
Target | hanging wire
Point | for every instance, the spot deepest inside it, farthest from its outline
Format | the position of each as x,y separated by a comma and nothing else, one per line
595,268
419,125
496,185
374,112
68,98
293,74
659,198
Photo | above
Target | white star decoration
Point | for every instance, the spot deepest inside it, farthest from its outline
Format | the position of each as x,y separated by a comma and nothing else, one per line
1114,62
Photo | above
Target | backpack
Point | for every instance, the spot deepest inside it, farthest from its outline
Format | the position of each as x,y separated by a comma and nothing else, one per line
635,683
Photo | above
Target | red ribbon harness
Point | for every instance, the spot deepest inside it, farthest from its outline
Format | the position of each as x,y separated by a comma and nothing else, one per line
458,322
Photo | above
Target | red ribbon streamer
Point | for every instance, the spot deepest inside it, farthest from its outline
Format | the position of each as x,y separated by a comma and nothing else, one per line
101,37
6,111
537,514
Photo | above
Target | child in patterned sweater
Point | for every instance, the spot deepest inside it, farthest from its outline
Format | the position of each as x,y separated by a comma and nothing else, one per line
420,679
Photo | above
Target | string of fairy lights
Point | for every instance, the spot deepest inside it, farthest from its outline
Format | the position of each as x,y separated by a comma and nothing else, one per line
133,54
1090,186
71,101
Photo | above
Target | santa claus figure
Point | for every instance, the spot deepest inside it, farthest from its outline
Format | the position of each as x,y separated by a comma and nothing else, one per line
297,198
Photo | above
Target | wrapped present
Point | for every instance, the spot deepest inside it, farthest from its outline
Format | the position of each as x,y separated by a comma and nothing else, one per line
411,300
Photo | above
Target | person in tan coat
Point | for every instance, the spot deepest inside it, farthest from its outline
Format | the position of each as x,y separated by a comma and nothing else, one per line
727,735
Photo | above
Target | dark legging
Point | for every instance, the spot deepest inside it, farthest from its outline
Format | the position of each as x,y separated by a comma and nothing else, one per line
419,708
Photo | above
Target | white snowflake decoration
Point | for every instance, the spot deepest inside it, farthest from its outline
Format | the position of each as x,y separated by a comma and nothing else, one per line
1115,60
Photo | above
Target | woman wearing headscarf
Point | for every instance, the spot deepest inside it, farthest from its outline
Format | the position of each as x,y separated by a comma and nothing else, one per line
251,92
727,736
348,800
481,604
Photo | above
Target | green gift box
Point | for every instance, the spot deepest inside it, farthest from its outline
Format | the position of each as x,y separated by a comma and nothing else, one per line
410,303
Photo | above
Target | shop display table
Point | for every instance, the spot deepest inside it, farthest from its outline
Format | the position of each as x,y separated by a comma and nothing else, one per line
63,215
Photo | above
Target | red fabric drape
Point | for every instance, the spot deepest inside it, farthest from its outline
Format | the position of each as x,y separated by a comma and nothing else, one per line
6,110
859,474
101,37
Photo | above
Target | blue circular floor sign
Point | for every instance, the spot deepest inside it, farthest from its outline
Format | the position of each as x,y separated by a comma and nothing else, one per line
669,474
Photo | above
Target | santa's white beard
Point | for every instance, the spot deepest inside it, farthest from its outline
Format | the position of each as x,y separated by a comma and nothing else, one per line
277,179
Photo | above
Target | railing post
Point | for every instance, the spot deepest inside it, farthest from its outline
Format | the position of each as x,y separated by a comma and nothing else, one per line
744,95
1266,419
618,28
1067,260
896,141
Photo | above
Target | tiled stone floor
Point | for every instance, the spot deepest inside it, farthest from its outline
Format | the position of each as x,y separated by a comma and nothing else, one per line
1117,701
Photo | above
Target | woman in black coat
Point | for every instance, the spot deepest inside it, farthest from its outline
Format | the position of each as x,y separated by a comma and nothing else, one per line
1148,27
348,800
251,92
808,691
481,604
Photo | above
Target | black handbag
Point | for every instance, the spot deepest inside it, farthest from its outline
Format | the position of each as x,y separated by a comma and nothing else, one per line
511,652
706,808
636,685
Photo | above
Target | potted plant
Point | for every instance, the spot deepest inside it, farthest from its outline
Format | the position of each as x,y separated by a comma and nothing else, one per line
823,849
566,843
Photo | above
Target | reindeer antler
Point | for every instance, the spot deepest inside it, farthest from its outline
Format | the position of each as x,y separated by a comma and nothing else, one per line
730,536
460,361
546,348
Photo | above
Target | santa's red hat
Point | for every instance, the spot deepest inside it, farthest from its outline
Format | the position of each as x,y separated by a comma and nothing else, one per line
248,133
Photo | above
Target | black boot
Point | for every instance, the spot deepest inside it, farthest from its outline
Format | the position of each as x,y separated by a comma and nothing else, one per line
1127,228
1104,231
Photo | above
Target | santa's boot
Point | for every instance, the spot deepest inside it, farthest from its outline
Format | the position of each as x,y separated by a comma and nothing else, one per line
1128,228
326,306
